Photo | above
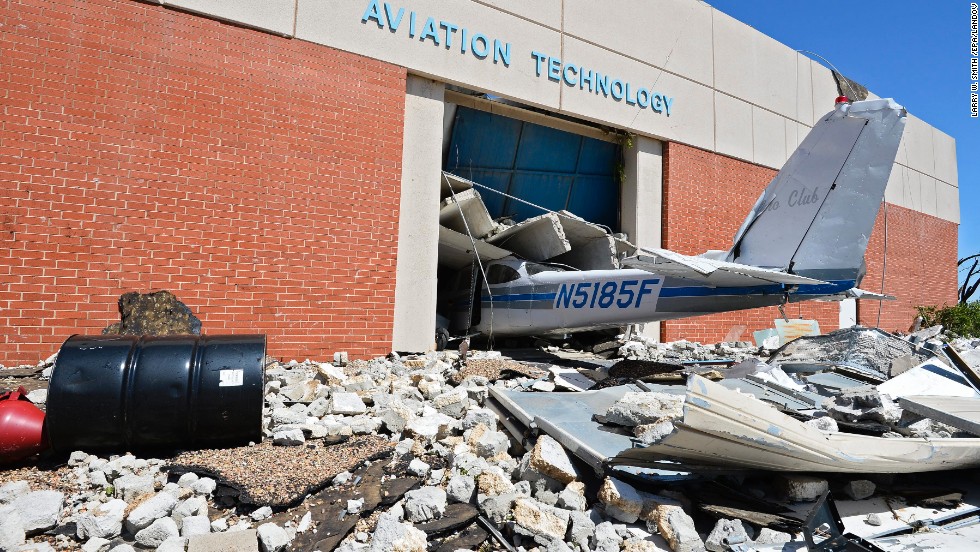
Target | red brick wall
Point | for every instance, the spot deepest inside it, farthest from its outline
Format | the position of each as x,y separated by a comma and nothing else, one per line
141,148
920,266
706,198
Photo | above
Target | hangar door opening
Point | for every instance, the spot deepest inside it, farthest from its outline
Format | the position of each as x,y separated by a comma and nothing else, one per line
537,169
555,169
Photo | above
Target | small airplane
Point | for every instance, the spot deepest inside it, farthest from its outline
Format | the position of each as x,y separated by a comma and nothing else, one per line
804,239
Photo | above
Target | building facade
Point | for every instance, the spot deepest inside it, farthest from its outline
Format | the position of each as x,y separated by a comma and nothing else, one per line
276,163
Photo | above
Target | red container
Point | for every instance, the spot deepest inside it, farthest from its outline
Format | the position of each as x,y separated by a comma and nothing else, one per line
21,427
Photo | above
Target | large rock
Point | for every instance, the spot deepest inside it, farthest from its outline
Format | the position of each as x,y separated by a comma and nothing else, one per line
157,313
103,521
550,458
40,510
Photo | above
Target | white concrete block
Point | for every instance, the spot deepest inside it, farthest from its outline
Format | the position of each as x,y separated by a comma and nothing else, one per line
418,228
768,138
277,16
545,12
733,127
754,67
944,155
690,118
947,202
341,24
670,34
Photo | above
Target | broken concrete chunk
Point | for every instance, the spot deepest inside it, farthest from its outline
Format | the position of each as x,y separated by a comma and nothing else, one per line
606,538
573,497
802,488
541,522
824,423
288,437
551,459
158,506
493,481
391,534
727,532
859,489
157,532
103,521
272,538
39,510
425,504
12,532
653,433
10,491
678,529
347,404
460,488
770,536
863,404
621,500
645,408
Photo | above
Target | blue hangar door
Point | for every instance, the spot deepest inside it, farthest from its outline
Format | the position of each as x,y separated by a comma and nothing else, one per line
552,168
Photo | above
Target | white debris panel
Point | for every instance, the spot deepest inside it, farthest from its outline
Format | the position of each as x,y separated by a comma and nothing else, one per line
728,428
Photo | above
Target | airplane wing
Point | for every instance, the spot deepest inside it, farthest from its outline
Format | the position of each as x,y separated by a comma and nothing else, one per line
710,271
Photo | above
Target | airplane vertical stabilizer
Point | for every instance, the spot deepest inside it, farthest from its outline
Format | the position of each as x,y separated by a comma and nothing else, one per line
816,216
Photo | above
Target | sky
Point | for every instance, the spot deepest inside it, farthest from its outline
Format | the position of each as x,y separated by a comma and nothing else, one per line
916,52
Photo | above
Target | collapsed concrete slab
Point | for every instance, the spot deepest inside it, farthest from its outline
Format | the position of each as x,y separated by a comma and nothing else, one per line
724,427
536,239
592,246
453,183
456,249
466,210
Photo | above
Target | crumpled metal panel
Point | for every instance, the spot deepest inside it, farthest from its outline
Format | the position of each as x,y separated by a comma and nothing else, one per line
724,427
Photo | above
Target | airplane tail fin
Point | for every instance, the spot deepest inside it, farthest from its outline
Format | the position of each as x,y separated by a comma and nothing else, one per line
815,217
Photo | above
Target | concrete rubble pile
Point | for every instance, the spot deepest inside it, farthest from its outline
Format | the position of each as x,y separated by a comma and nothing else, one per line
492,462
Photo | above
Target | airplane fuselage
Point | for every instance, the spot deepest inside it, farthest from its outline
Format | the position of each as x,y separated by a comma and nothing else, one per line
542,302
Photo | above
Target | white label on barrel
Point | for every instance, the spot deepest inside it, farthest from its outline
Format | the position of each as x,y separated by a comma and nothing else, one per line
231,378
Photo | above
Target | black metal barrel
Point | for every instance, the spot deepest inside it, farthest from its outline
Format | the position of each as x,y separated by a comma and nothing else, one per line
182,391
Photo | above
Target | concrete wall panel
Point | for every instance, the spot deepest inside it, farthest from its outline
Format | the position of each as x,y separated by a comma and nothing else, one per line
277,16
690,120
753,66
545,12
948,202
795,132
916,149
928,185
338,23
768,138
895,190
733,127
824,90
804,91
944,156
670,34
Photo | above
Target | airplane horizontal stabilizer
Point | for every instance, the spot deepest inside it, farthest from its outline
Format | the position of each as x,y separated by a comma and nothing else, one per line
710,271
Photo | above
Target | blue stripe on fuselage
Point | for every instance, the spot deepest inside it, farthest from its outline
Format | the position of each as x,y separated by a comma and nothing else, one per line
829,288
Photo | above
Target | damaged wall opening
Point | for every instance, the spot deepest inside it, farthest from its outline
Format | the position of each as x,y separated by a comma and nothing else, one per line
553,168
571,178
